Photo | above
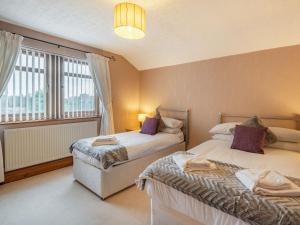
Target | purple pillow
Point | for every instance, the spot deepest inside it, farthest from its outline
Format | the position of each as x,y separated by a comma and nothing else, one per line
150,126
249,139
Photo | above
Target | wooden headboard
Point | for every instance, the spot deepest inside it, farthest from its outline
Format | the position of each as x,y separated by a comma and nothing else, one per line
292,122
182,115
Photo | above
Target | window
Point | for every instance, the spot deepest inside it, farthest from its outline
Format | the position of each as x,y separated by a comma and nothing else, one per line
48,86
79,93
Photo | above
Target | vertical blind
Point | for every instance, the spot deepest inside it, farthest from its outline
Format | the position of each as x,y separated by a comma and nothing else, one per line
48,86
79,92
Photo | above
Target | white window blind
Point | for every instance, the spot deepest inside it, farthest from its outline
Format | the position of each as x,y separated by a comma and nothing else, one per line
79,90
48,86
25,95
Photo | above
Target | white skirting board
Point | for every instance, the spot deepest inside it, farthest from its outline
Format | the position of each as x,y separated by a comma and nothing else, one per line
117,178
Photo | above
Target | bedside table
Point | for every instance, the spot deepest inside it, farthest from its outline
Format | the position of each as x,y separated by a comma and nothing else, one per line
130,129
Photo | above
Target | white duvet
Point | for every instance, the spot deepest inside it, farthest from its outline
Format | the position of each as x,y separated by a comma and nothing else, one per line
138,145
284,161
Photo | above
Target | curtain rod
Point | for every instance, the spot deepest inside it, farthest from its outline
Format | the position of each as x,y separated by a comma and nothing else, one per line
58,45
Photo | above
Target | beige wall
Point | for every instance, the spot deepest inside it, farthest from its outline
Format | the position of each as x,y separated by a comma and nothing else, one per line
263,83
124,76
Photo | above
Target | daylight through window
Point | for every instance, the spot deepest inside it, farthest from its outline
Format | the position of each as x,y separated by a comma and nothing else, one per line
48,86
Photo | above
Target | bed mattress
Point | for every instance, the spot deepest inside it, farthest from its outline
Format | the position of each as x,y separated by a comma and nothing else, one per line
138,145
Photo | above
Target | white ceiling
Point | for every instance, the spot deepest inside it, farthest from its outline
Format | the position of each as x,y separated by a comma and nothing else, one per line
178,31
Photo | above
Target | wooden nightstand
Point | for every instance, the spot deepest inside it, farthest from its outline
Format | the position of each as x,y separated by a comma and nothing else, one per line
130,129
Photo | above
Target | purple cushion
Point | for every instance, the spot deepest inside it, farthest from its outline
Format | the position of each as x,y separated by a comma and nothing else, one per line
150,126
249,139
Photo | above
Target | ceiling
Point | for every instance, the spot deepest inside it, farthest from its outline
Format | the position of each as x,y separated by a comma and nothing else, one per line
178,31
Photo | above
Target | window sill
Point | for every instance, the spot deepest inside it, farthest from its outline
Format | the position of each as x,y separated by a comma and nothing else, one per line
48,122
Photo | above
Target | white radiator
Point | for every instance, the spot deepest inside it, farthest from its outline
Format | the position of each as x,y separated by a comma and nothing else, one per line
30,146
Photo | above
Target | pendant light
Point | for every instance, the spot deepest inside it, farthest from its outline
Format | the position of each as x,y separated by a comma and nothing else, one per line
129,21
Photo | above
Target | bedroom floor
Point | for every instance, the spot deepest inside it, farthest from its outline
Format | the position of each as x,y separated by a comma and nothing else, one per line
55,198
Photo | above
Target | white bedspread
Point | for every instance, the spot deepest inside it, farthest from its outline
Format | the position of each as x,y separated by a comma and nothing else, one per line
138,145
283,161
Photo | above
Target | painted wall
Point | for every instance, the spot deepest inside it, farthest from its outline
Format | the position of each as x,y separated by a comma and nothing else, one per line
124,76
264,83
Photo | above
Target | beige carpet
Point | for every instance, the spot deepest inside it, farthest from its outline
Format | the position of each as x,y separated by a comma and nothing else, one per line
55,198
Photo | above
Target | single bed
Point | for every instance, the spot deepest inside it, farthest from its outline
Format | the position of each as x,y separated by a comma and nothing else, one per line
142,149
171,206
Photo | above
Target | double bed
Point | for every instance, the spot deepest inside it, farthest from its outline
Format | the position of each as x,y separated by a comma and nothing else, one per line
142,149
175,200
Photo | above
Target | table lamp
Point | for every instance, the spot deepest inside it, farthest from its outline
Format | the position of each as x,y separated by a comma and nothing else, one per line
141,118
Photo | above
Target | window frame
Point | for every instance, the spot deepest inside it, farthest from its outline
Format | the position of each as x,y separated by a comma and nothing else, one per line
54,90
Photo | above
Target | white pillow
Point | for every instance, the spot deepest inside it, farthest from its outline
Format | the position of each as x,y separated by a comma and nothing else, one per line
285,134
223,137
171,130
286,145
172,123
223,128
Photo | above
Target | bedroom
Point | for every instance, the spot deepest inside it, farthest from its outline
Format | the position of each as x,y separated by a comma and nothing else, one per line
191,61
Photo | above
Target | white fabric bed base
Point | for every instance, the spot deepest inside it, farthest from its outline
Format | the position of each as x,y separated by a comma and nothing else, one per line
117,178
172,207
163,215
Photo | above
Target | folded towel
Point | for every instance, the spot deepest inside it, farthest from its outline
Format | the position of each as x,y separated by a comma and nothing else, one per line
199,164
275,181
266,182
95,143
105,140
189,163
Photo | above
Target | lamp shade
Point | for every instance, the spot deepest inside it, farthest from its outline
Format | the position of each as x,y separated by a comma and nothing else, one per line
129,21
142,117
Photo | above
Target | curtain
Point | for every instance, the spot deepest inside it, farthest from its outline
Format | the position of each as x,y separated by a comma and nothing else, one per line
1,166
99,70
10,46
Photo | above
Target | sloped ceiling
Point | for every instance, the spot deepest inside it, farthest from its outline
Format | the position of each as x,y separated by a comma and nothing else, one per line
178,31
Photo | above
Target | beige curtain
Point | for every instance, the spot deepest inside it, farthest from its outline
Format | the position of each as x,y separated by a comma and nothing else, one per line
99,69
10,46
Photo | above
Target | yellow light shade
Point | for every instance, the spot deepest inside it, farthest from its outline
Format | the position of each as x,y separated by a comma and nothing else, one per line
142,117
129,21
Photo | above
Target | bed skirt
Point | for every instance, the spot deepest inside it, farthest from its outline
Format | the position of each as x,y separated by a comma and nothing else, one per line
117,178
